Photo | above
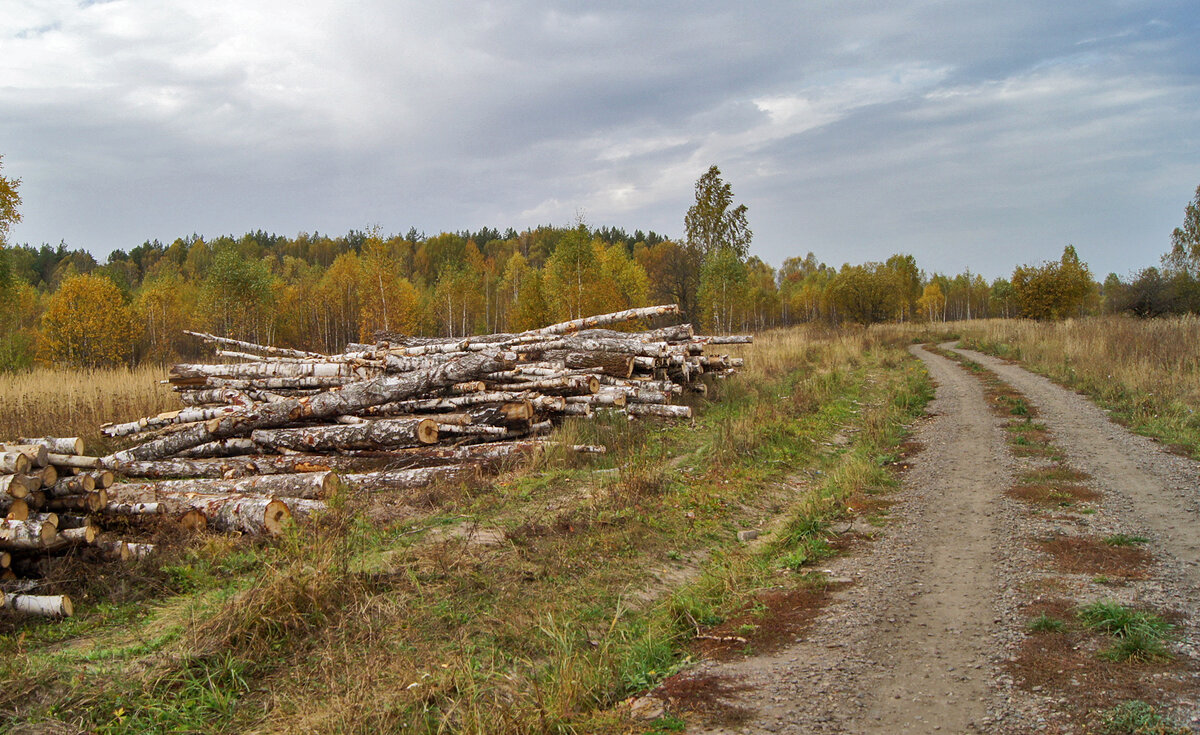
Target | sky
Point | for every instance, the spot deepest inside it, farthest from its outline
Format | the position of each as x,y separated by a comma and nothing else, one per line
968,133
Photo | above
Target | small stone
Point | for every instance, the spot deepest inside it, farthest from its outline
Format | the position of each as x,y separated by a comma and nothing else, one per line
747,535
646,708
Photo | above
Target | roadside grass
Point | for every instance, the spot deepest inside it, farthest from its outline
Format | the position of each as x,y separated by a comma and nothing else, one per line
537,602
1146,372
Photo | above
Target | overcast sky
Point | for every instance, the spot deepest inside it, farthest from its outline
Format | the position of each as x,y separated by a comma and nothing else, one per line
970,134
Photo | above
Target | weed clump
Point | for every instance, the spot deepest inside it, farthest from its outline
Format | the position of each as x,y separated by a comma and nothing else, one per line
1140,635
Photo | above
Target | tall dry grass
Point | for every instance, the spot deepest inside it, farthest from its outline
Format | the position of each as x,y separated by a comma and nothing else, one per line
56,402
1147,371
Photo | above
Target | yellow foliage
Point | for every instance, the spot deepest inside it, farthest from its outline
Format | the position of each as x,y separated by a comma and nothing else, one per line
88,324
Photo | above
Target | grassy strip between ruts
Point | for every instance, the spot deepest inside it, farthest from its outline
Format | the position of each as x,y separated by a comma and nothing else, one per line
534,603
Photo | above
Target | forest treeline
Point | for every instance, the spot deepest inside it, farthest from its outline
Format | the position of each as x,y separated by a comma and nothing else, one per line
318,292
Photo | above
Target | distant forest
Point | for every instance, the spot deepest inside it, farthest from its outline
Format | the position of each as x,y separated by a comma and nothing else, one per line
316,292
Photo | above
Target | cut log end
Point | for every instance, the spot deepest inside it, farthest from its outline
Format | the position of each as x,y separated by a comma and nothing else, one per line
427,431
193,520
276,517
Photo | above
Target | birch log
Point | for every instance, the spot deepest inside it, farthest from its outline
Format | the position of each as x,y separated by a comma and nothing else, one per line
655,409
37,453
14,509
15,486
76,485
409,479
56,444
25,535
301,485
379,434
250,514
76,461
54,606
14,463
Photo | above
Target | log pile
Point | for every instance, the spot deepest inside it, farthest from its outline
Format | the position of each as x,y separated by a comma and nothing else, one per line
51,496
273,423
263,436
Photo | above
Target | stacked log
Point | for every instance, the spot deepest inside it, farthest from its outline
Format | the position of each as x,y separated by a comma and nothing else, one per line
397,414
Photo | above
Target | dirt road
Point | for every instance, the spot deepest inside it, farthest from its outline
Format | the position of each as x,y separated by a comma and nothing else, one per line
922,635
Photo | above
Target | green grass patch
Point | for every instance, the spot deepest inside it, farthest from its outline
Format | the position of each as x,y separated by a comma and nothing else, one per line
1137,718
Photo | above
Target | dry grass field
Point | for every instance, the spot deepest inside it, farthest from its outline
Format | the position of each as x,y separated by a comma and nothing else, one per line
51,402
1145,371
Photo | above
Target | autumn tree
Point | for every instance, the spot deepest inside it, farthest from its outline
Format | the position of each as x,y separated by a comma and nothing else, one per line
388,301
713,222
1182,263
866,293
15,297
88,324
907,278
722,289
673,272
9,201
238,296
165,305
932,304
1053,290
570,274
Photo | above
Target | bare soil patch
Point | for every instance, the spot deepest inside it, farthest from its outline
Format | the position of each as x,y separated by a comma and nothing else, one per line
1091,555
710,696
776,620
